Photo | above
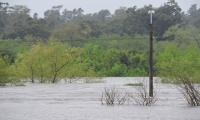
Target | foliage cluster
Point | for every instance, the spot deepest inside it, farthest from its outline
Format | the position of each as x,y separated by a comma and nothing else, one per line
98,44
53,61
74,25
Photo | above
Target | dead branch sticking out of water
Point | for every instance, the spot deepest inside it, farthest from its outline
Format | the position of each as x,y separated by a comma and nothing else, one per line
142,97
112,96
190,92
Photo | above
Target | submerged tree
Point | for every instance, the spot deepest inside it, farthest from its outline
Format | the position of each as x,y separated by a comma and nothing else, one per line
181,67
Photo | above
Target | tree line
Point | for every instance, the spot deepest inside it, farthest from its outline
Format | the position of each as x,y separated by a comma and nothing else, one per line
71,25
69,44
54,61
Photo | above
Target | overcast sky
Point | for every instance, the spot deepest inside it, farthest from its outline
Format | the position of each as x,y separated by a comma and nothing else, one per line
91,6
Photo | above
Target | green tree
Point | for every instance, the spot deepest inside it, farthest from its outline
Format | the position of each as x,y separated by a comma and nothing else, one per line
58,58
183,35
193,17
26,63
166,16
4,75
72,32
118,70
175,63
53,17
7,72
137,20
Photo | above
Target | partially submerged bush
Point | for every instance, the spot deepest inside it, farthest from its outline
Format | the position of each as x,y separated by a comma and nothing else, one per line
112,96
142,97
191,92
2,84
181,66
188,88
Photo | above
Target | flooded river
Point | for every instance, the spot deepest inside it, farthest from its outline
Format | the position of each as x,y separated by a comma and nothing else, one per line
81,101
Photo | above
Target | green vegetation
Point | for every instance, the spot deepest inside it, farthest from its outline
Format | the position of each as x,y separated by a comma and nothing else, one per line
71,44
175,63
180,58
53,61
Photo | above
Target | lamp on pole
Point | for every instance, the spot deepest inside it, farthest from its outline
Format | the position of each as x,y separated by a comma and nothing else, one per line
151,12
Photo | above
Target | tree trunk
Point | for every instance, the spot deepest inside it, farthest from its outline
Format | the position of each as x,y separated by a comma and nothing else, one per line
54,77
32,75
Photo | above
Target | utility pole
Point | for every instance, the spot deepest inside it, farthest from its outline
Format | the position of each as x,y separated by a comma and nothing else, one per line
151,12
